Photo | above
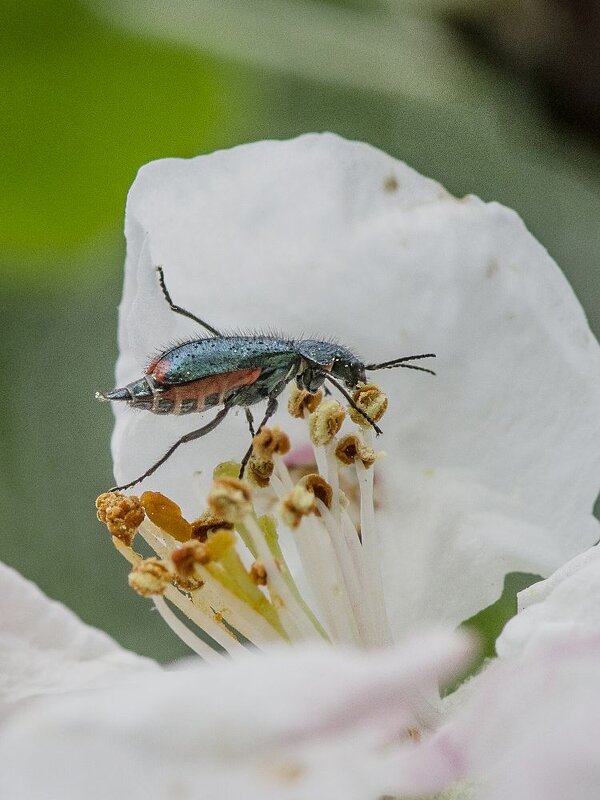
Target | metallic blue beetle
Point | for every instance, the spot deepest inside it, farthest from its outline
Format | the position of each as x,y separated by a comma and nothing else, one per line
233,371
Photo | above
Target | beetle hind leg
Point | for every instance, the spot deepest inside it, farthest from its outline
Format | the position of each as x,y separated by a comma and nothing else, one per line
188,437
250,420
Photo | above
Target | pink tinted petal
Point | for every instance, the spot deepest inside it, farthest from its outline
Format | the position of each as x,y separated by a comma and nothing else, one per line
300,724
531,729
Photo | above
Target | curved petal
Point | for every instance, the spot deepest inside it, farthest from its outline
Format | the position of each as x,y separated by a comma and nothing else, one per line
302,723
493,465
531,728
565,607
46,649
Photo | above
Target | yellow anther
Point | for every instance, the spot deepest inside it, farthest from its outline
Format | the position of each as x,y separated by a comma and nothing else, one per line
352,448
258,573
121,514
297,504
230,498
325,422
166,514
150,577
370,399
301,401
227,469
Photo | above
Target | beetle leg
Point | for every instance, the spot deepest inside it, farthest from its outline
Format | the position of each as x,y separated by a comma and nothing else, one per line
189,437
352,404
271,409
182,311
250,419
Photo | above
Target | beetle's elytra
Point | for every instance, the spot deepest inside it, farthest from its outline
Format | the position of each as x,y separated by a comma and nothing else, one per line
230,371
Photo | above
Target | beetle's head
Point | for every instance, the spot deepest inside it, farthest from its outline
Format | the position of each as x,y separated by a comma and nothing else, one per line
348,369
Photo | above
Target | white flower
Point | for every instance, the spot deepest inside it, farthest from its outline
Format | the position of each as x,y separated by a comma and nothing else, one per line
530,729
493,466
304,724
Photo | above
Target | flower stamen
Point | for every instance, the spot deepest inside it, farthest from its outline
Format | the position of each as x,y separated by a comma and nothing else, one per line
199,570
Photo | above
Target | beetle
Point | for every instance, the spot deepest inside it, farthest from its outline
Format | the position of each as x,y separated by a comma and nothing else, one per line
240,370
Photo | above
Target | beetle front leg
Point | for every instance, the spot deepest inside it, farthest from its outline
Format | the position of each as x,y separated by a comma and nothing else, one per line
271,409
353,405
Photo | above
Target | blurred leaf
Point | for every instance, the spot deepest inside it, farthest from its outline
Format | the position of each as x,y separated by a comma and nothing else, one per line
367,48
83,106
487,624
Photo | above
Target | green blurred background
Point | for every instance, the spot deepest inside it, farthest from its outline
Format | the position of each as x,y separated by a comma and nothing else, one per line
499,99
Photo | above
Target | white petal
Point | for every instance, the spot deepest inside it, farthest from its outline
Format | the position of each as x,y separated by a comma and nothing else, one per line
46,649
494,464
291,724
532,729
565,607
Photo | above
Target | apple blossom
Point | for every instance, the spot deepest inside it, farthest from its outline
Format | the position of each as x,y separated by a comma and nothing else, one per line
489,468
321,234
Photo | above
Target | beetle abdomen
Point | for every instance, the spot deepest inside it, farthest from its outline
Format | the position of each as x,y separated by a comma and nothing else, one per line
199,395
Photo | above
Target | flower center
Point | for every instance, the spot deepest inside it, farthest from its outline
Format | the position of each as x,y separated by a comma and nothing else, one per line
226,572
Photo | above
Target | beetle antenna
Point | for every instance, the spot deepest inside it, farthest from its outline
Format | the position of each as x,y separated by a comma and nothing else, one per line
401,362
179,309
352,404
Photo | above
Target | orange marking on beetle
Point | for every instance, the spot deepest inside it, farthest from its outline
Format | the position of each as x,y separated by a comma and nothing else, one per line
214,384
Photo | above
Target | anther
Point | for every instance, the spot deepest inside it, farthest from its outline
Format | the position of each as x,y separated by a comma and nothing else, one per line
186,557
166,514
265,445
230,499
206,524
325,422
150,577
258,471
121,514
270,442
352,448
298,503
301,401
258,573
370,399
319,487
